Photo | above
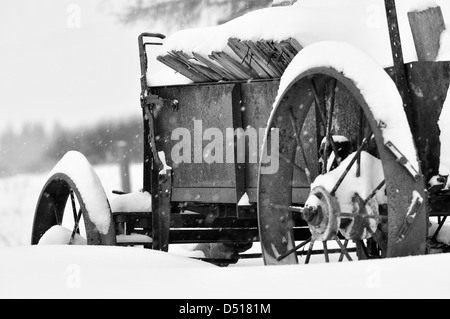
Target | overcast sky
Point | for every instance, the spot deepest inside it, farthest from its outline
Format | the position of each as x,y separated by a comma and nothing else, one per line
65,61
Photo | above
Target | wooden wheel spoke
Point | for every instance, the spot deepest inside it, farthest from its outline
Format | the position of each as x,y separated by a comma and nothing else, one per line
292,250
344,250
325,251
321,107
329,138
341,256
349,166
371,195
76,217
59,222
74,211
362,127
300,147
309,253
76,228
375,191
74,206
296,166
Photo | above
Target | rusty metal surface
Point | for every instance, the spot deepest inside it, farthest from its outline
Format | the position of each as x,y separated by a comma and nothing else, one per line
402,188
399,72
216,106
276,227
161,212
257,103
429,83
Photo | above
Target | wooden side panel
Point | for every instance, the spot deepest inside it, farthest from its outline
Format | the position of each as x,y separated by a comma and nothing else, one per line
426,28
257,104
200,108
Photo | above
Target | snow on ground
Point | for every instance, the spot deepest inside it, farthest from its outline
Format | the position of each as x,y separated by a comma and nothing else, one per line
60,271
115,272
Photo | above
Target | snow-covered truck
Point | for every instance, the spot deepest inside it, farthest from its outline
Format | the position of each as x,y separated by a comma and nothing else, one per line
309,125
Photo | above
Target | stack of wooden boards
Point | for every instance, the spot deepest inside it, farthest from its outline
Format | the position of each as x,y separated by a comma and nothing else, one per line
261,59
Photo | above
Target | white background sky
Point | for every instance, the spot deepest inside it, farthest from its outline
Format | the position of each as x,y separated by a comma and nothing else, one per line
50,71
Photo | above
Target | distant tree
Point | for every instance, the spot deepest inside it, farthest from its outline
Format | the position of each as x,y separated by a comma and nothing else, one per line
99,143
24,151
176,14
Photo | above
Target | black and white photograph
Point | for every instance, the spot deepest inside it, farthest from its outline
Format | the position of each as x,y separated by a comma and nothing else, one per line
224,154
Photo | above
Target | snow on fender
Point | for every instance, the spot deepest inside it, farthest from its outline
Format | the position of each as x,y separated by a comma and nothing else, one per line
378,89
75,165
377,97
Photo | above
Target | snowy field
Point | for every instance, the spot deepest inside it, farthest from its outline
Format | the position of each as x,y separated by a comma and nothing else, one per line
123,272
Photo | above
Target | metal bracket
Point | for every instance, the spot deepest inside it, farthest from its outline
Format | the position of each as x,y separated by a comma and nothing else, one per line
156,103
403,160
151,136
411,215
161,213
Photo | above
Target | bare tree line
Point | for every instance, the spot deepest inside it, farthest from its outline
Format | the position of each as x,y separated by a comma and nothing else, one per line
179,14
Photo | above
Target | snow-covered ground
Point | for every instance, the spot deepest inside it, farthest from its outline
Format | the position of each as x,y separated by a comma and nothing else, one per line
114,272
124,272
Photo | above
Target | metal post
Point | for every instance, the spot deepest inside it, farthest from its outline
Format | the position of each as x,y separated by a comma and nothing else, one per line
397,56
148,158
124,166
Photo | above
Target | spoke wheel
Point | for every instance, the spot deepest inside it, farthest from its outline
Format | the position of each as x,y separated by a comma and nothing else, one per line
65,208
338,174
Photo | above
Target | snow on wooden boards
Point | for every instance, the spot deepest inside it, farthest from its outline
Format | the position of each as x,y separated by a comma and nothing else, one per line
251,60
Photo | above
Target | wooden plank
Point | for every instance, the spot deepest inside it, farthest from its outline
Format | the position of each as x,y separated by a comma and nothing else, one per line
280,58
263,60
202,69
427,27
226,75
295,44
258,60
273,54
240,71
182,68
290,48
243,51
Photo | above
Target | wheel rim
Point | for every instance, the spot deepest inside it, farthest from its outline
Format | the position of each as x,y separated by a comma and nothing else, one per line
324,98
61,203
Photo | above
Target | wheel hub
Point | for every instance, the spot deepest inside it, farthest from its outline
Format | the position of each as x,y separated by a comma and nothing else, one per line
321,213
